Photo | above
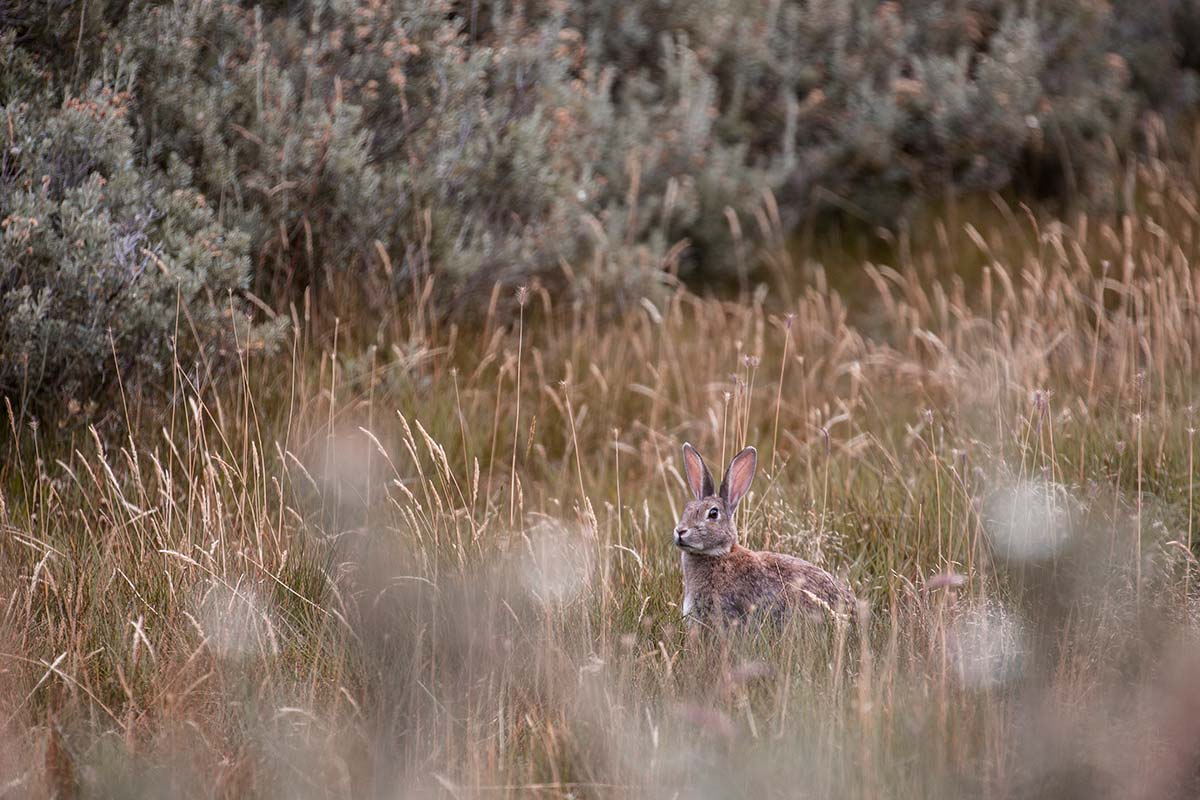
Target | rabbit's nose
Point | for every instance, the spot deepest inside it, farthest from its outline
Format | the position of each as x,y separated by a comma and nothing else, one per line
679,533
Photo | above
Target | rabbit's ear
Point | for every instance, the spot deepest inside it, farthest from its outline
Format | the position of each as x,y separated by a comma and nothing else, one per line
698,477
738,477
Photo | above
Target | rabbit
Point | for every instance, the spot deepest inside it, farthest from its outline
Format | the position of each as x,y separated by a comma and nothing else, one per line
724,583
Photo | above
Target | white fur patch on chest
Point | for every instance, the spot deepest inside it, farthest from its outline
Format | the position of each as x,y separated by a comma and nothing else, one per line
688,604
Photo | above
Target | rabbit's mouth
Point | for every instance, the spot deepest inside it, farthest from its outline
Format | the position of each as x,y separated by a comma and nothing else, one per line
683,544
696,549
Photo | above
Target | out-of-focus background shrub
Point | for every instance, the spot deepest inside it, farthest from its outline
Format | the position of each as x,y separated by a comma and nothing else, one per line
159,156
110,268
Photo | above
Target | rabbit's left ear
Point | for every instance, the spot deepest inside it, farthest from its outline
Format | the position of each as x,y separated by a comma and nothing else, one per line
738,477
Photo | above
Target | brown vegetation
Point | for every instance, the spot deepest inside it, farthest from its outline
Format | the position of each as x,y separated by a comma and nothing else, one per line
444,566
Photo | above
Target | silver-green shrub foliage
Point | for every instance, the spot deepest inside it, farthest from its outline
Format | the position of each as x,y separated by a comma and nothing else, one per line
343,133
393,147
495,142
109,270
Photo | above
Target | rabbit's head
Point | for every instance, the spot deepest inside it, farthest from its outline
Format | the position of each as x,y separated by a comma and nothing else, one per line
706,526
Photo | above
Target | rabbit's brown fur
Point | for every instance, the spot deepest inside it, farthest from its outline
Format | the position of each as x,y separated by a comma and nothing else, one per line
723,582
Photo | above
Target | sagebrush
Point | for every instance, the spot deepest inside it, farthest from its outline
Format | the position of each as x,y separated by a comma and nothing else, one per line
359,150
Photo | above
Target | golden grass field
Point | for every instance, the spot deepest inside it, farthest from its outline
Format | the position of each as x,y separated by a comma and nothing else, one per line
410,558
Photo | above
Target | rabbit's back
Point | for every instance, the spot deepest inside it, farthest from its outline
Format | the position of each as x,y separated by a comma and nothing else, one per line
744,583
807,587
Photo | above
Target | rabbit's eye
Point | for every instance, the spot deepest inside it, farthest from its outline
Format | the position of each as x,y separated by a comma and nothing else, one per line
713,513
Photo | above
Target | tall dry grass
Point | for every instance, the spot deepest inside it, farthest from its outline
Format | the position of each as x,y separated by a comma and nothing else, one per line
442,565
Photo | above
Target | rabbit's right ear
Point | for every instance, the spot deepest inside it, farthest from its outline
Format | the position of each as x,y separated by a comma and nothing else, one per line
698,477
738,477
